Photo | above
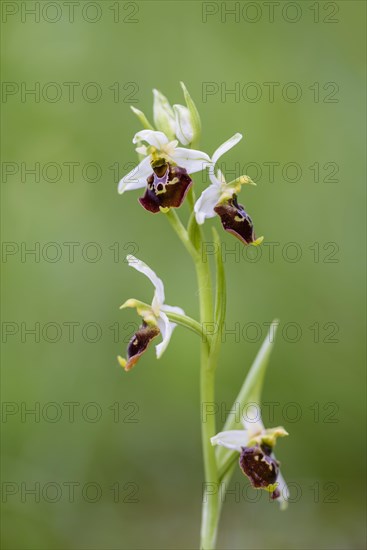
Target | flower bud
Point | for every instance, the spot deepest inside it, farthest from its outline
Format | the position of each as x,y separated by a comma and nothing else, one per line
184,127
163,115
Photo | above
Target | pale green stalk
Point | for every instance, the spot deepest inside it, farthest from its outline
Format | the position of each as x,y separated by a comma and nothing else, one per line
191,324
211,505
182,233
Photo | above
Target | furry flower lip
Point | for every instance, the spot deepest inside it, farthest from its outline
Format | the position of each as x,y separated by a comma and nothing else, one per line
255,445
166,187
260,467
235,220
138,345
155,320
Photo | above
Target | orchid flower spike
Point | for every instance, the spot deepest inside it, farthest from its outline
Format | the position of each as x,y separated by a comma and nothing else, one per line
155,320
221,198
255,445
164,170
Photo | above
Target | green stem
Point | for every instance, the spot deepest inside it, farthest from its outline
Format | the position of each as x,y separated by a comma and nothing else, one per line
180,230
211,504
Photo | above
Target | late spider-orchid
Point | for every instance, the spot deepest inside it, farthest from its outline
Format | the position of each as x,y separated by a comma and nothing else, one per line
167,158
255,445
155,320
221,198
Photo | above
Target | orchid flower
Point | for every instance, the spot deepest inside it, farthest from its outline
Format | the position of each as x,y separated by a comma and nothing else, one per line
155,320
255,445
221,198
164,170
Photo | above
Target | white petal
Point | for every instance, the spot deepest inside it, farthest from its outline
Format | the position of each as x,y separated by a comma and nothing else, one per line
161,102
233,439
137,178
142,150
158,299
204,206
251,419
157,139
284,492
226,146
173,309
166,328
184,128
217,179
192,160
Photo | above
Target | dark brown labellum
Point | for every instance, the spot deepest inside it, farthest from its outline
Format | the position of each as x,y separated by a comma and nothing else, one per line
166,188
235,220
259,466
139,343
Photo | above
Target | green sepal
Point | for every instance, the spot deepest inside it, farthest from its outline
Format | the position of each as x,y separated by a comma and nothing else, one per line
242,180
269,437
143,310
143,119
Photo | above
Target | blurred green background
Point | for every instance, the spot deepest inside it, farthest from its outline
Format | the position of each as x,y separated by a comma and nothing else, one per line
131,447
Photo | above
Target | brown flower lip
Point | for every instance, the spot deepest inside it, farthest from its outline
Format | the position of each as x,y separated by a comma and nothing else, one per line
260,467
166,187
139,344
235,220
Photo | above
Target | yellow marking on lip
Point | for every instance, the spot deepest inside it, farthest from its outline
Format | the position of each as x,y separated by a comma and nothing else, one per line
173,181
160,191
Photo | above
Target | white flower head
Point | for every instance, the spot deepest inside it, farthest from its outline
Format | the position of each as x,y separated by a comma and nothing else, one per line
155,145
255,445
154,317
219,190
